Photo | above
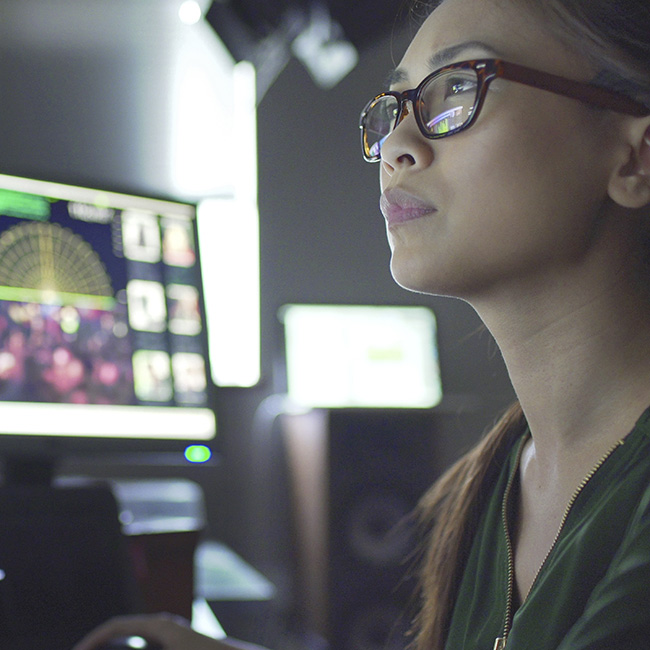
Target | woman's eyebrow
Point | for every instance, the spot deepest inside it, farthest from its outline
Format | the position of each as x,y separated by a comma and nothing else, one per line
442,57
395,76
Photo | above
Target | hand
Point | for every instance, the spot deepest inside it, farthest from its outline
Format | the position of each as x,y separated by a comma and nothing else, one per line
171,632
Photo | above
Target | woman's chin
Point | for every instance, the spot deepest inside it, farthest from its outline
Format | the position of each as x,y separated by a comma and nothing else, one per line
426,280
412,279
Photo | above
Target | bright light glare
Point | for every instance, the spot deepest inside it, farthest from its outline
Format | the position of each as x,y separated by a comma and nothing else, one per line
199,136
203,619
202,129
190,12
153,422
245,126
229,246
230,252
214,161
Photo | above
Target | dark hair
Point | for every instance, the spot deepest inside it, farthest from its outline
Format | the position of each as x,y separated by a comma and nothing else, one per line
615,36
449,514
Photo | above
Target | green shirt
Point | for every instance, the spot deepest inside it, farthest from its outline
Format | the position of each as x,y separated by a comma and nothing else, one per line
593,591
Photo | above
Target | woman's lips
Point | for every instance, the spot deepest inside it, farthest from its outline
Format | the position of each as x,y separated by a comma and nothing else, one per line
399,206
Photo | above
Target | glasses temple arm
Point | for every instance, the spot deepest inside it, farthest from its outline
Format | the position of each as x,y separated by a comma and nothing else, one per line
586,92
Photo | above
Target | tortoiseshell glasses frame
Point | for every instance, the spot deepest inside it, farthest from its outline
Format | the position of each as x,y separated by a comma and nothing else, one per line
449,100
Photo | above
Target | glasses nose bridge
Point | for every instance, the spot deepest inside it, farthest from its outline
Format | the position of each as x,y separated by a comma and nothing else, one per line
403,110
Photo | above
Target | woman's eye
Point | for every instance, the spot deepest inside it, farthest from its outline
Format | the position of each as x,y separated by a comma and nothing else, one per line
459,86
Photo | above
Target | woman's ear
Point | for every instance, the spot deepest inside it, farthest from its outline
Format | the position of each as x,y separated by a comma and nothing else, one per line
629,184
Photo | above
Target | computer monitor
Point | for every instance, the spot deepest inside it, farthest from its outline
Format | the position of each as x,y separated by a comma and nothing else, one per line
102,332
361,356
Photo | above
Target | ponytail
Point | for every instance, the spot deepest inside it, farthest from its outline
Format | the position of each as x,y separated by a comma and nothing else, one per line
449,514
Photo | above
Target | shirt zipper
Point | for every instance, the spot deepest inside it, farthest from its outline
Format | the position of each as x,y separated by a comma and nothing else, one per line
500,642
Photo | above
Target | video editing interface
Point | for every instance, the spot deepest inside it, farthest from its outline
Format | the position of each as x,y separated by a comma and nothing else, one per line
100,300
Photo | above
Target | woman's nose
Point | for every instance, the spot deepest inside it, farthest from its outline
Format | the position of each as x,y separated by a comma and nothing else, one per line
406,146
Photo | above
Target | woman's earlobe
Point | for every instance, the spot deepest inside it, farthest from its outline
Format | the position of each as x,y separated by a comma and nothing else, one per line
630,183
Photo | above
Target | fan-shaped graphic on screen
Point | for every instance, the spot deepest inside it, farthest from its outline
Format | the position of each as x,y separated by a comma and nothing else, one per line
49,258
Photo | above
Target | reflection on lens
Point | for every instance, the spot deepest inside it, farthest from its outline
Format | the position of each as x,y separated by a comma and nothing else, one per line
379,123
448,101
444,104
382,116
375,149
447,121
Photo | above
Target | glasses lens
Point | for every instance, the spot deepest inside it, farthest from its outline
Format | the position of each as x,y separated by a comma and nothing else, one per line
378,123
448,100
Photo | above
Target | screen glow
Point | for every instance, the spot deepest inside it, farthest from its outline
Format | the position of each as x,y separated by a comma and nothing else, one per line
102,330
362,356
96,420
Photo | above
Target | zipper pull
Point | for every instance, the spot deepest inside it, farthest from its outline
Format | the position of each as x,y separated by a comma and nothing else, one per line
500,643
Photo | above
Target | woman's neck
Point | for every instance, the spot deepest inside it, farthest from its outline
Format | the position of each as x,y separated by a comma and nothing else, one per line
578,355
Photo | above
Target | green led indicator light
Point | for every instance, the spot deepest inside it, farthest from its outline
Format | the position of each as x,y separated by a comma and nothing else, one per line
198,454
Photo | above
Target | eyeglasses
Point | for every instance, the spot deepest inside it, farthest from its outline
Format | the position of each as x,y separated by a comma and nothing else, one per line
450,99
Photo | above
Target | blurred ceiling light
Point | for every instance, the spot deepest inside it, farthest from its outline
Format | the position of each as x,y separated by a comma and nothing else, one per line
190,12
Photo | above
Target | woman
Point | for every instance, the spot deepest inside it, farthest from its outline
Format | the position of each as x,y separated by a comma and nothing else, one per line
524,189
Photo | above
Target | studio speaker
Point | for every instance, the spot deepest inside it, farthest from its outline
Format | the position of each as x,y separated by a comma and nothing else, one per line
367,470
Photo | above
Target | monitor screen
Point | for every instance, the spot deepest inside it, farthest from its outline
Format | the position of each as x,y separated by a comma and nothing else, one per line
361,356
102,334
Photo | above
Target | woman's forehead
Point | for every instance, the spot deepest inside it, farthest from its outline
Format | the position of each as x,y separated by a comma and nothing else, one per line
444,56
461,29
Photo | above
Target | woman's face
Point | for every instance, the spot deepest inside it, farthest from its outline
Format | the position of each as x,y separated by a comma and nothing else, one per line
519,196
